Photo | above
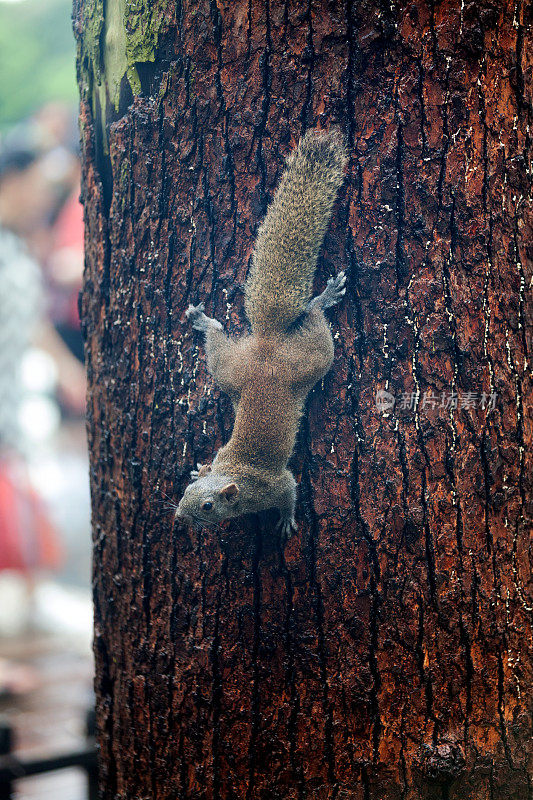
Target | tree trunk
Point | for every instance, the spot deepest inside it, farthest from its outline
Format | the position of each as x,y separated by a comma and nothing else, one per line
384,652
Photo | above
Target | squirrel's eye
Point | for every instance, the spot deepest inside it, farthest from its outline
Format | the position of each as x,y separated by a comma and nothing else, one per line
207,506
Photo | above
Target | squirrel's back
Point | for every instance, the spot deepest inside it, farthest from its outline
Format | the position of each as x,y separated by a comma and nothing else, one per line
280,282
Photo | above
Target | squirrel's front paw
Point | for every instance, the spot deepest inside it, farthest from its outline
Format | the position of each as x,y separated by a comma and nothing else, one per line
200,471
287,526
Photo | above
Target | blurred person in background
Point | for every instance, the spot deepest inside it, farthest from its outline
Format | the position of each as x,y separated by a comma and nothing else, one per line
54,233
38,228
63,269
28,197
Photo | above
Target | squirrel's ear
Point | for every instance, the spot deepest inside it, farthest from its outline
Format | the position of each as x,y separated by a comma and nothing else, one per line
229,492
204,470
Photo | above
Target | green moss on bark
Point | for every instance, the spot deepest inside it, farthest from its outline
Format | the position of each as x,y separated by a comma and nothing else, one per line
115,37
142,32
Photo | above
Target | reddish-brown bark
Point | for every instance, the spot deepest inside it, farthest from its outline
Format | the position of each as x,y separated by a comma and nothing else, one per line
384,652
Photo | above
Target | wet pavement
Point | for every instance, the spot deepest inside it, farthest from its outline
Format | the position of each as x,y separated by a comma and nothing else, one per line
50,719
46,625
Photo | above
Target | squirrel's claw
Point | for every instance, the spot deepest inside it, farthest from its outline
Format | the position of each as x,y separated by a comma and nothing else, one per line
334,291
287,526
332,294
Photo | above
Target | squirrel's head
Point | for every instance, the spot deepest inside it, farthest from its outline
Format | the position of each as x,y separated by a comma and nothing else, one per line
210,500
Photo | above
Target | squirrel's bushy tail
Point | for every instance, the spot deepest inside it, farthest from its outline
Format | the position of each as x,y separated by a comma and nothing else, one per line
280,282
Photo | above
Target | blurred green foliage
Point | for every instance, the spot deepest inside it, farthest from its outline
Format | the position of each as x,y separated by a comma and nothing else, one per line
37,57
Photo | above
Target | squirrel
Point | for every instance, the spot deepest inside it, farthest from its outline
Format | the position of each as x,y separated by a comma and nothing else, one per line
269,373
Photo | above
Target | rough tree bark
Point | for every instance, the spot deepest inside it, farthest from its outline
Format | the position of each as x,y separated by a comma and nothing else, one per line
384,652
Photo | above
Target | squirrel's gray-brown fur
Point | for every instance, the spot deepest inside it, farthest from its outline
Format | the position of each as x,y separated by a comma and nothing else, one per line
269,373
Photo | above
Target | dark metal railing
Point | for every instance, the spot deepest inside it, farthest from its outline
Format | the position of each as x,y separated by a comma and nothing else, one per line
13,768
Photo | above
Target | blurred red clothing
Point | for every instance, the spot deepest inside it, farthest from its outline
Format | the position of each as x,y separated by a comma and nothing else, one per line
28,540
69,224
65,263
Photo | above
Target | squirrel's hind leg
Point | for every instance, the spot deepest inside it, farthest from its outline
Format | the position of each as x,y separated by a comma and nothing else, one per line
332,294
224,356
199,320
